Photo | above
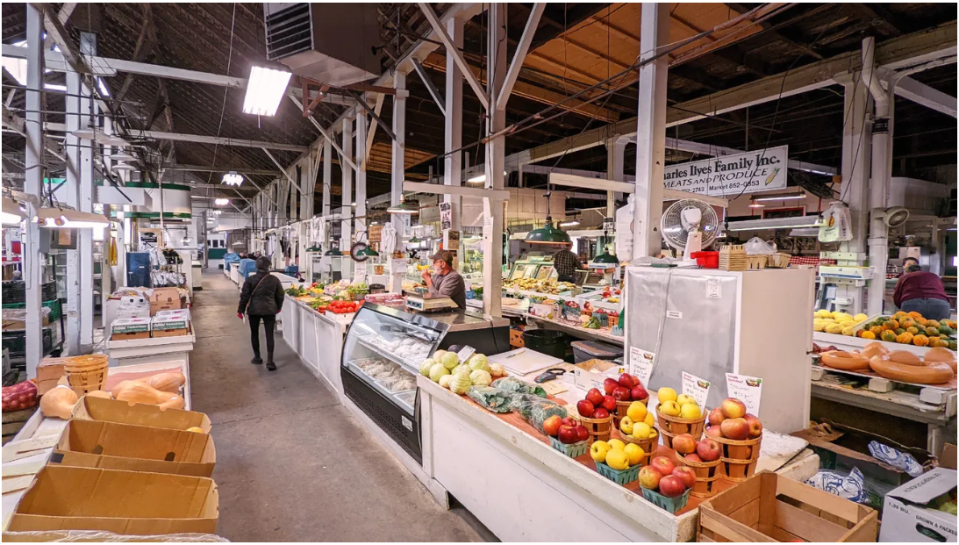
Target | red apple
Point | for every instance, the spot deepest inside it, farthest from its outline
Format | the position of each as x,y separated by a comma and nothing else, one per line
671,486
567,435
600,413
664,465
585,408
716,417
649,477
595,397
609,402
609,385
714,431
621,394
582,433
735,428
638,393
626,380
570,421
709,450
755,426
551,425
733,408
693,457
685,474
684,444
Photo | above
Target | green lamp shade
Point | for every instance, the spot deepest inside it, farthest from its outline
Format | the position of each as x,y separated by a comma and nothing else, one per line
548,235
403,209
603,259
368,252
333,252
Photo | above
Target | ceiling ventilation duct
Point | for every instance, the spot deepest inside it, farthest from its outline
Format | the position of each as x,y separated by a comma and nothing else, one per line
331,43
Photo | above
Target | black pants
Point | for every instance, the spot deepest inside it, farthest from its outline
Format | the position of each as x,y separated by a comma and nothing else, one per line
269,323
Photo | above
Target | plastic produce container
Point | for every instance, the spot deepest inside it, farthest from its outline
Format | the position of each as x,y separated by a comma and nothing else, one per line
593,350
547,341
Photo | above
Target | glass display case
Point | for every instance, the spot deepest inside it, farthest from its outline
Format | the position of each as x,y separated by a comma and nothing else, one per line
381,356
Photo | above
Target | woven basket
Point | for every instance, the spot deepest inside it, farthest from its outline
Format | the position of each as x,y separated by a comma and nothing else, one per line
621,407
671,426
739,458
86,373
707,473
600,429
649,446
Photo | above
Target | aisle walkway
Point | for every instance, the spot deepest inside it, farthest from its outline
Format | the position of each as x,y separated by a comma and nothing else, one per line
292,464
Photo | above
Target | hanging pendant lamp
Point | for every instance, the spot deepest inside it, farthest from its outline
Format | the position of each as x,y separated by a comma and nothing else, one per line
548,234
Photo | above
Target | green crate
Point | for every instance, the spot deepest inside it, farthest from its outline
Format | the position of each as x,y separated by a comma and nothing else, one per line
54,305
574,450
618,476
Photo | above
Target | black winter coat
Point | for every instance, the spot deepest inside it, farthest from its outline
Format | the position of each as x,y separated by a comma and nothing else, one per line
267,299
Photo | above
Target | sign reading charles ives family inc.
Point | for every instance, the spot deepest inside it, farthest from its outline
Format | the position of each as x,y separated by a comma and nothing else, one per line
761,170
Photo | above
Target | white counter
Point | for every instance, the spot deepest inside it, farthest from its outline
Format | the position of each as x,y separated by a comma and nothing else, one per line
151,350
316,338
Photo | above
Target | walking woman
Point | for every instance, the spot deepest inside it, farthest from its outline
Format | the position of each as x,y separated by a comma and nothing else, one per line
261,299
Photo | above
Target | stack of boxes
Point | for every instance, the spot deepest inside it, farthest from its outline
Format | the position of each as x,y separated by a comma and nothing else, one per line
164,317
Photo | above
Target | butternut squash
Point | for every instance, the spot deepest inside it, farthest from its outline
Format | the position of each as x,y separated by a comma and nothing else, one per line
100,393
174,402
58,402
134,391
166,382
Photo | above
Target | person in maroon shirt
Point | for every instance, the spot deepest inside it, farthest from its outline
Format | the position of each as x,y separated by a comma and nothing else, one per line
922,292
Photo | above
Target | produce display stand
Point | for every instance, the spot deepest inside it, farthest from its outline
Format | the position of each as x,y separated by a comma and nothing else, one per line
564,499
576,331
151,350
933,406
43,433
317,338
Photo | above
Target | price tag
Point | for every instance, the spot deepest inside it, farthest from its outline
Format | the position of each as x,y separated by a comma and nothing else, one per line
398,266
697,388
674,314
746,389
465,353
641,364
713,289
359,272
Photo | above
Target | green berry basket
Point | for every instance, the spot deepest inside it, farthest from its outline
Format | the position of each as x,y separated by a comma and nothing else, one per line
618,476
669,504
574,450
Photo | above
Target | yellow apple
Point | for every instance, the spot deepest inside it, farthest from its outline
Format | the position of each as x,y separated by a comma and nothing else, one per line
616,444
617,459
598,450
635,453
666,394
641,430
650,420
669,408
684,399
653,433
637,411
690,410
626,425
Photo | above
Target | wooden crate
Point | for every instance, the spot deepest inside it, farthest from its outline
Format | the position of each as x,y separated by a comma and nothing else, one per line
770,507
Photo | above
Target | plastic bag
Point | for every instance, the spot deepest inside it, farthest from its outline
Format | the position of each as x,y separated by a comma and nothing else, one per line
535,409
492,399
895,458
516,385
837,223
758,246
849,486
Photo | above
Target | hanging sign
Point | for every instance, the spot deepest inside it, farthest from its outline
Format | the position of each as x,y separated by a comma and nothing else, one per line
697,388
757,171
446,215
641,364
375,233
454,241
746,389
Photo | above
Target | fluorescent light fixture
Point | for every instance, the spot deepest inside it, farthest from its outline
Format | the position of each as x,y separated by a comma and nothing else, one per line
754,204
64,218
573,223
104,90
55,87
805,232
11,212
221,202
403,209
788,197
774,223
480,178
264,90
17,68
232,178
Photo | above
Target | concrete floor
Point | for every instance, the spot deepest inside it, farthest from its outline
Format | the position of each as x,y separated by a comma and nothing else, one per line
292,463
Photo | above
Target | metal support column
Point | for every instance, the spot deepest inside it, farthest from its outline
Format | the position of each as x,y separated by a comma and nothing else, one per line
88,117
346,199
33,183
495,155
327,176
615,165
651,132
881,159
361,130
72,198
856,152
453,128
398,168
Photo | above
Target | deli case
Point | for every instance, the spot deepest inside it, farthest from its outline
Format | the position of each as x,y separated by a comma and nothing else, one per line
382,353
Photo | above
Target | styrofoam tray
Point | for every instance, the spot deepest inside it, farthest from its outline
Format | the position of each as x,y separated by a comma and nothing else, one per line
524,361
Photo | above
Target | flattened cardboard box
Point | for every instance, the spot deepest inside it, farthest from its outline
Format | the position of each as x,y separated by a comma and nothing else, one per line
108,445
910,512
138,414
123,502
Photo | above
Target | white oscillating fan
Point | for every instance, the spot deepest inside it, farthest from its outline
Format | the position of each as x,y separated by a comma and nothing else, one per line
689,225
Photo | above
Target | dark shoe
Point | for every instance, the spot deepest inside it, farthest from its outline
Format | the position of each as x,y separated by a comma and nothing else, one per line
270,366
257,360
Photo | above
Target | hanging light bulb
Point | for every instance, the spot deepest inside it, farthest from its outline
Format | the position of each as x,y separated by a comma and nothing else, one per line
221,202
232,178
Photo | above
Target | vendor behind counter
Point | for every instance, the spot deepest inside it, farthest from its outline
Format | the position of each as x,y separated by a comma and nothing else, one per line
446,282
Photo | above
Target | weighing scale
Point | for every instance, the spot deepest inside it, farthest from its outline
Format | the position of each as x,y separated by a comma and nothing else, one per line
424,303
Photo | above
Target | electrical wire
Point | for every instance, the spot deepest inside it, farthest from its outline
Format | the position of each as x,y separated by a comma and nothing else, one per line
226,90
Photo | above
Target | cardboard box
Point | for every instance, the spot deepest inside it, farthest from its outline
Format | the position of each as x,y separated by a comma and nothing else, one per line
171,333
150,416
180,313
108,445
48,373
123,502
168,322
910,514
164,299
592,373
948,457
